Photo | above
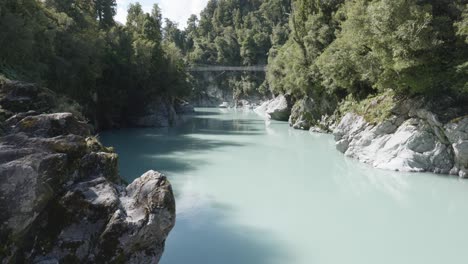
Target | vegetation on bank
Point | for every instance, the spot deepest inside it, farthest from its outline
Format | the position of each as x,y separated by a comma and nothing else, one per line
76,48
362,47
345,50
374,109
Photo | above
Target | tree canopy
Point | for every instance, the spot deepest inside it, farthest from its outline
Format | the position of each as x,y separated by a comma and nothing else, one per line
75,47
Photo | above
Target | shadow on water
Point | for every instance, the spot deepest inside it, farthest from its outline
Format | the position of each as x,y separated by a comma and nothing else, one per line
211,238
205,231
168,149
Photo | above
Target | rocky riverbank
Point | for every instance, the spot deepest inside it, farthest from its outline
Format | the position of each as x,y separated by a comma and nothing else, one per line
61,197
413,138
411,135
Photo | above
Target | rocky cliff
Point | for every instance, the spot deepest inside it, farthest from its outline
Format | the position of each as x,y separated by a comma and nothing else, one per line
61,198
416,137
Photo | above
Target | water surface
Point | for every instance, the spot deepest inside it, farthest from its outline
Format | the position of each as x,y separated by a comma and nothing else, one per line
251,192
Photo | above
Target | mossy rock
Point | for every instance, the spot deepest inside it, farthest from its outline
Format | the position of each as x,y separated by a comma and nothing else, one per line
94,145
28,123
375,109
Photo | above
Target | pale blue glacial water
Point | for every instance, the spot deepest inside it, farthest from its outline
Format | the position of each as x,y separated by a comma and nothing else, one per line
254,192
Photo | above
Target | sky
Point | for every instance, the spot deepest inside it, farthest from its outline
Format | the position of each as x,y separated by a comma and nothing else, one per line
176,10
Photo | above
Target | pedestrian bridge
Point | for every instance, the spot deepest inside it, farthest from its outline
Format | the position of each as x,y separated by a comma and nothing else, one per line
221,68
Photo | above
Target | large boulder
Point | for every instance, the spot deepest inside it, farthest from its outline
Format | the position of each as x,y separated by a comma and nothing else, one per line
316,115
303,114
18,97
279,108
159,113
62,200
145,218
276,109
104,223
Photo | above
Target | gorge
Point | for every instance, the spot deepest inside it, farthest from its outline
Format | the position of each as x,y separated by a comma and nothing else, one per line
343,135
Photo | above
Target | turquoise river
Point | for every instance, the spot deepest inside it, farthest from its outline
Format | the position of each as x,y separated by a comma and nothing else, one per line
255,192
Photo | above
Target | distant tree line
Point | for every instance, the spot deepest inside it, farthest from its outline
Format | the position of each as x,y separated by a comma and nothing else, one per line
343,48
235,33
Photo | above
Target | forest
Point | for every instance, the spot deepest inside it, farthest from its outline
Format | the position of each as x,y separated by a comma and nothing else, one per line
332,49
336,47
76,48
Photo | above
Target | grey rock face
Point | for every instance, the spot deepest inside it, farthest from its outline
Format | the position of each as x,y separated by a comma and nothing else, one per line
302,114
417,142
62,200
279,109
315,115
160,113
276,109
19,97
457,134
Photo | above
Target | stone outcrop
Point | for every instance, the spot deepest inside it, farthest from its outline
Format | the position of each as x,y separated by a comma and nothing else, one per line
276,109
159,113
413,139
61,198
316,115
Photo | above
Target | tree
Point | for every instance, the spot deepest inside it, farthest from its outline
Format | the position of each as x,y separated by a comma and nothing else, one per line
105,12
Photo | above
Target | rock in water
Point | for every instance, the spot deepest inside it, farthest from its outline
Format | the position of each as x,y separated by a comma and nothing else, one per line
279,109
159,113
61,198
276,109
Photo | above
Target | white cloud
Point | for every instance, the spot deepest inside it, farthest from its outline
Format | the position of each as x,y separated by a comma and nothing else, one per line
176,10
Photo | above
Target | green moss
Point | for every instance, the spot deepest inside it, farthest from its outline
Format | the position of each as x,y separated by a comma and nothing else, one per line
28,123
93,144
374,109
458,119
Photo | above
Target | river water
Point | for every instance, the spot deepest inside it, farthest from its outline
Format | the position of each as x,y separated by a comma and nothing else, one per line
254,192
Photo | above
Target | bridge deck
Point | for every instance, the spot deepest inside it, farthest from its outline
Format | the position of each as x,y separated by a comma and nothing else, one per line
257,68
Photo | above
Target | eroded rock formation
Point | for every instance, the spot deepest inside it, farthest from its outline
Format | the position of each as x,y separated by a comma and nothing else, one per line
61,198
413,139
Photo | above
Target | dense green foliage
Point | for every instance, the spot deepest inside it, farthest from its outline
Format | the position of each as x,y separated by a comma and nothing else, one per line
236,33
333,48
361,47
76,48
